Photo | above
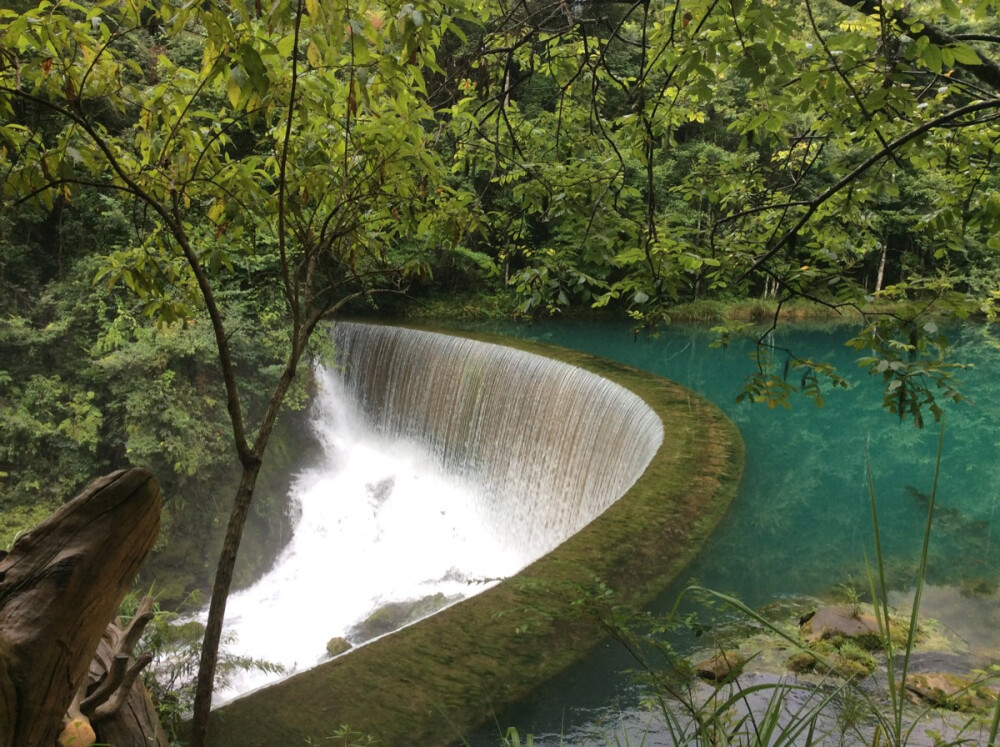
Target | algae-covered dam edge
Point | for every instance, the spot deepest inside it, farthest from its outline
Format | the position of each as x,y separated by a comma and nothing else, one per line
431,682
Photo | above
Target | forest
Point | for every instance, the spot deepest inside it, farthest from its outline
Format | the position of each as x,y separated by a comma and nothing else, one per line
191,188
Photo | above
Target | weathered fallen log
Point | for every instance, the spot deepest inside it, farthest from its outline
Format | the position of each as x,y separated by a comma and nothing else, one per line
114,699
59,586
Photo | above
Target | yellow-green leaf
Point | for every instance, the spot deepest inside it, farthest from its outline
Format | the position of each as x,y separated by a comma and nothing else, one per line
950,7
313,55
233,92
965,55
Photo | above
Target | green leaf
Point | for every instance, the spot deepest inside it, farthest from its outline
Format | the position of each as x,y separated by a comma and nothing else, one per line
965,55
876,99
950,7
931,57
256,72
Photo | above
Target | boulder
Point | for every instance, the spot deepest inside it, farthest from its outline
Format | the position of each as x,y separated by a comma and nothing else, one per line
338,646
395,615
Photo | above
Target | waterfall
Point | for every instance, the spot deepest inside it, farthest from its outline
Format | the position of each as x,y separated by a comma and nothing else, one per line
448,464
550,446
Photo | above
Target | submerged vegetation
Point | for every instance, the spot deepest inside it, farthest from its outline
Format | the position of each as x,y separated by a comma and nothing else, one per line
799,672
189,189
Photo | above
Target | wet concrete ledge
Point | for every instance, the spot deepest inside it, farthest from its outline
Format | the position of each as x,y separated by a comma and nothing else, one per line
429,683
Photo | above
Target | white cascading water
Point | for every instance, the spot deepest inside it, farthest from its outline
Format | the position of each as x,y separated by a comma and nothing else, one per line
448,464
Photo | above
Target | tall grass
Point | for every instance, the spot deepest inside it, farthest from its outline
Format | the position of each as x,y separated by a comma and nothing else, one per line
789,713
892,727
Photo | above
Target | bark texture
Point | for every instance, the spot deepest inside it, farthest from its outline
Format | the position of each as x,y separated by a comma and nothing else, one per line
59,586
115,700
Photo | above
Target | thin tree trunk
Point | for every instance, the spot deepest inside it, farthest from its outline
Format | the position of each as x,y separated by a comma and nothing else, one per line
231,543
881,267
217,606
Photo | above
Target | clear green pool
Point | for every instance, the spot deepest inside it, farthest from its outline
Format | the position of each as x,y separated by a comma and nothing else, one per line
801,523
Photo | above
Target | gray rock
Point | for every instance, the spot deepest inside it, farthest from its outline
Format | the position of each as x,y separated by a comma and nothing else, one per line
395,615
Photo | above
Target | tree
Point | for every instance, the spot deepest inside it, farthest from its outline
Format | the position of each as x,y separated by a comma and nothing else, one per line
315,153
290,147
818,113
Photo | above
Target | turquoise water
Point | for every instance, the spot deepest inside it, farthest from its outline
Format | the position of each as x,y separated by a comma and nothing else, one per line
801,523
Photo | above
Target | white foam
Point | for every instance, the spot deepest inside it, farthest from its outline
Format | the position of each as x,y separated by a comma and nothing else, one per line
447,464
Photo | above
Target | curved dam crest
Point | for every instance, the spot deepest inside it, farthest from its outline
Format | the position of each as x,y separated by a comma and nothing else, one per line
429,682
545,446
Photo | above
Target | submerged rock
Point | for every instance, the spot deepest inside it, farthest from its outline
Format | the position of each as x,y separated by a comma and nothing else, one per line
838,622
949,690
923,662
337,646
395,615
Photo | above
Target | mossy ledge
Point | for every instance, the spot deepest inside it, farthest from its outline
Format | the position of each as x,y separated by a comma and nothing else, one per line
429,683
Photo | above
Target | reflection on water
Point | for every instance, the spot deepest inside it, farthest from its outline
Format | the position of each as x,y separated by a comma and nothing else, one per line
973,617
802,523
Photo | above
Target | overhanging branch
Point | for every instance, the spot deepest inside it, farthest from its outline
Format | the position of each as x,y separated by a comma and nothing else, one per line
988,72
861,168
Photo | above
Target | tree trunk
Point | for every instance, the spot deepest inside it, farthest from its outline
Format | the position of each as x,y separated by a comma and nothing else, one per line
116,701
881,267
217,606
234,533
59,586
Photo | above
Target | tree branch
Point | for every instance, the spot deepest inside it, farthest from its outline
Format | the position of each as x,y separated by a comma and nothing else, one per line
861,168
988,72
180,235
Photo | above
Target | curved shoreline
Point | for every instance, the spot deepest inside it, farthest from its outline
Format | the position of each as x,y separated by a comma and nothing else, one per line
430,682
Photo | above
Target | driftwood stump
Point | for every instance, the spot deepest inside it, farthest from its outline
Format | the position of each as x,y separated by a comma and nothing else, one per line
59,586
114,699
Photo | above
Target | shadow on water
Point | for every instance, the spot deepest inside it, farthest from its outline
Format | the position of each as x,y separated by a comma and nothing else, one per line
801,523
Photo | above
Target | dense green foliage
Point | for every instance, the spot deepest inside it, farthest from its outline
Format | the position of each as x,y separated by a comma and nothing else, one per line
644,155
109,359
188,189
604,155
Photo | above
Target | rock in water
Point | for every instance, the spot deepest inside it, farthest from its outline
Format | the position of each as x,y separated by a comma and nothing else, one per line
338,646
395,615
947,690
832,622
721,668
